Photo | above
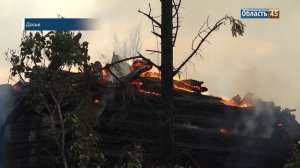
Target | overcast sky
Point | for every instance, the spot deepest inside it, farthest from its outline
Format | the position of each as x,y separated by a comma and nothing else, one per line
264,61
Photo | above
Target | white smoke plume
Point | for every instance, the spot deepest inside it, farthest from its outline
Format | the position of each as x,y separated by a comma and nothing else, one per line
260,122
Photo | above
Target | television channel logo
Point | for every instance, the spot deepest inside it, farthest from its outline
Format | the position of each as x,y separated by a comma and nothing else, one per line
260,13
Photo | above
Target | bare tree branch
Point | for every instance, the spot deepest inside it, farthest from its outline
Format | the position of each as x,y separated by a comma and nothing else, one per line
176,7
156,34
130,45
154,51
195,50
236,29
107,66
155,24
176,15
150,16
57,102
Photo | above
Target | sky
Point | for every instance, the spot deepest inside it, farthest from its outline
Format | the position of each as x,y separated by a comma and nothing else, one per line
265,61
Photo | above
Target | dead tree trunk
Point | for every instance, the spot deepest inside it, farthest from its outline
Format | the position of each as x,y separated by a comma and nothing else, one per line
169,15
167,133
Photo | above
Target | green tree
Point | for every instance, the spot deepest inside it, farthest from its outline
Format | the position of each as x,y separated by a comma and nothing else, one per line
46,61
84,151
135,157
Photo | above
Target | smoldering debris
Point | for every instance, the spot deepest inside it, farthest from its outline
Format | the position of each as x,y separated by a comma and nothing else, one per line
261,122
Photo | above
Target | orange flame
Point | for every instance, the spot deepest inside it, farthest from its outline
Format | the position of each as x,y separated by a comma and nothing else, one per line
138,84
183,88
178,84
105,74
231,102
151,74
149,92
137,64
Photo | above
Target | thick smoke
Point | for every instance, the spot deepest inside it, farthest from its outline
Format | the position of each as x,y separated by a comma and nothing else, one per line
260,122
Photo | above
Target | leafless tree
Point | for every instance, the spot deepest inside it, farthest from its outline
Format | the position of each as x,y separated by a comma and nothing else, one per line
129,46
167,30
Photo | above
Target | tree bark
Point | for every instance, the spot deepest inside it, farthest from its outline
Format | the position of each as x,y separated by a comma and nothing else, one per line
62,147
167,133
61,144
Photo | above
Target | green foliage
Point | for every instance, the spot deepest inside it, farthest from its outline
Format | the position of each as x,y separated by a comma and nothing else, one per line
135,158
46,60
85,151
37,50
294,161
60,49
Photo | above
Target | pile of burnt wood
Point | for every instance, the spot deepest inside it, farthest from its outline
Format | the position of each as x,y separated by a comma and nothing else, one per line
208,131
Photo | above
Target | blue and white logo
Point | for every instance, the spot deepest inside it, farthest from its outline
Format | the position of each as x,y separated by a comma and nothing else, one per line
258,13
59,23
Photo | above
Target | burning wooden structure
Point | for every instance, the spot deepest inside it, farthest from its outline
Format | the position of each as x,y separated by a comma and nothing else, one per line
209,131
